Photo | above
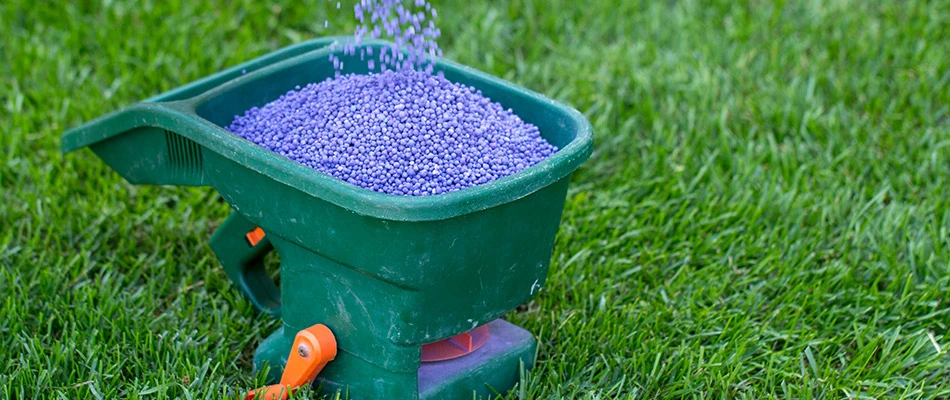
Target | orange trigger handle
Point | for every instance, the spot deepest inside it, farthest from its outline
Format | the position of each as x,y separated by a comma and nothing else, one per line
313,348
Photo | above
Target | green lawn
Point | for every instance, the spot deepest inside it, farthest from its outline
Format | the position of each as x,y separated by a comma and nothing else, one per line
765,213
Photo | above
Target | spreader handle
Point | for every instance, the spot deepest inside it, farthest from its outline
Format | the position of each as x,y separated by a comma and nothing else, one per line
241,246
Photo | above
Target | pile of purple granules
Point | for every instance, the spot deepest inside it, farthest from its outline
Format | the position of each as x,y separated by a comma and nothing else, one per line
405,133
402,131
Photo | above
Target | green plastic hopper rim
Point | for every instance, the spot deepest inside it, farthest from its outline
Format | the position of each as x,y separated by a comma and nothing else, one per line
180,117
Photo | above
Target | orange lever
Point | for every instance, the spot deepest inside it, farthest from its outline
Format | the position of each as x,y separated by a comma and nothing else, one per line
313,348
255,236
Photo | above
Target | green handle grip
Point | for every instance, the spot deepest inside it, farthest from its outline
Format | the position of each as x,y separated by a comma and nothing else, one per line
244,263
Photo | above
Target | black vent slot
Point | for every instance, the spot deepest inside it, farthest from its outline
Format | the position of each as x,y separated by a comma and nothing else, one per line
184,154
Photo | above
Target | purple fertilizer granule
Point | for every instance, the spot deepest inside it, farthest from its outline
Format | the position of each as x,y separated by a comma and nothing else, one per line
405,133
408,24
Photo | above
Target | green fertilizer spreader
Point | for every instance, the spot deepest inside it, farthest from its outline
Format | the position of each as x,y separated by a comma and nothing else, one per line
412,288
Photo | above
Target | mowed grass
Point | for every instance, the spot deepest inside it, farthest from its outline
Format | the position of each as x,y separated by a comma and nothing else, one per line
765,213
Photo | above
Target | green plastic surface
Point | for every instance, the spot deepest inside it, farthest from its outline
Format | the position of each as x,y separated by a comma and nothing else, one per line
386,273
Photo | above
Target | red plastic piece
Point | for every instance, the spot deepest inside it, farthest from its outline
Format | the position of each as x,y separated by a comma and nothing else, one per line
456,346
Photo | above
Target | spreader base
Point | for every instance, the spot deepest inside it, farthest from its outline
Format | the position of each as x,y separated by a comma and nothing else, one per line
493,368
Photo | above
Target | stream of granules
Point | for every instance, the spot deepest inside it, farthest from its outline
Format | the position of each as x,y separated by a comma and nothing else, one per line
402,130
411,29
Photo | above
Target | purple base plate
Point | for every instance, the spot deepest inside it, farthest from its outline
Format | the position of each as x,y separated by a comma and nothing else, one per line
493,368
